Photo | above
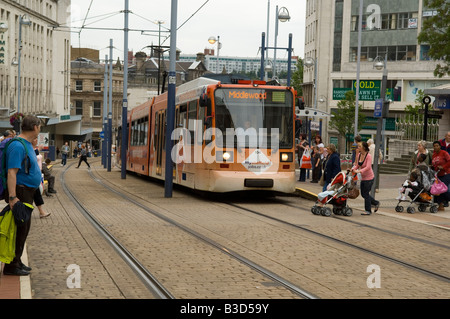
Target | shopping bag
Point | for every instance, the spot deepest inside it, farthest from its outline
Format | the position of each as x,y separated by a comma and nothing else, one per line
438,187
306,160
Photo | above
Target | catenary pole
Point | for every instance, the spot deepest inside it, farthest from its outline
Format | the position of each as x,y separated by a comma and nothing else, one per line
123,152
171,101
110,103
105,111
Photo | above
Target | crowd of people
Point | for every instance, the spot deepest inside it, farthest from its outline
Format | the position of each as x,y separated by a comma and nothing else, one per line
326,164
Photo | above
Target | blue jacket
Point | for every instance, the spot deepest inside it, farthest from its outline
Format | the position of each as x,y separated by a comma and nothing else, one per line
332,167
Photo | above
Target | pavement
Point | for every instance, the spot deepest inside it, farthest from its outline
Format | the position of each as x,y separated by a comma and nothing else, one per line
386,194
15,287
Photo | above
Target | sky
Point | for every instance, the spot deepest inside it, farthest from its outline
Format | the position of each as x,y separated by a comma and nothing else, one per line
238,23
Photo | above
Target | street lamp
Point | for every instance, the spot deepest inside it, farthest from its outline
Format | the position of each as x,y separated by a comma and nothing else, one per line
3,27
311,62
212,40
23,20
379,64
283,16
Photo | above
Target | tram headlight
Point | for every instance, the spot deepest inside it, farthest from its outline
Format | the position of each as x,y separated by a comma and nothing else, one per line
224,156
286,157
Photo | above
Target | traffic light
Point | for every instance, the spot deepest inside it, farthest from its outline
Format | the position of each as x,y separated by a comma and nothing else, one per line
300,103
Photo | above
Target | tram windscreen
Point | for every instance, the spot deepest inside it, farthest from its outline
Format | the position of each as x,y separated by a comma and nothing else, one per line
264,116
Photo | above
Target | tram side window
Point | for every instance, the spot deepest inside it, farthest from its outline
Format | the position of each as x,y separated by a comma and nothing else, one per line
192,116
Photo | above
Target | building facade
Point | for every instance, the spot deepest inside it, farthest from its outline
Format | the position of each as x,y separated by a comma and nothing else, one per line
44,64
237,64
87,98
389,30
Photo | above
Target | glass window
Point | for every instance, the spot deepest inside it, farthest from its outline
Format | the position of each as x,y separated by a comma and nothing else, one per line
79,85
424,52
401,52
97,108
411,53
78,107
392,51
255,110
97,86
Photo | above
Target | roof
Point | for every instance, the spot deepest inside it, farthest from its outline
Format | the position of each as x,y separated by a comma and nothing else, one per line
438,90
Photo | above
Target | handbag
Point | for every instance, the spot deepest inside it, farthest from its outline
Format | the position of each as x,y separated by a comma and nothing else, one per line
353,193
321,180
306,160
438,187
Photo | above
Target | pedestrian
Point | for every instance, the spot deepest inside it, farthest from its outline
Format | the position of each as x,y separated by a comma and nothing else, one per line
332,165
363,166
83,156
445,143
441,165
48,176
322,151
302,146
317,165
354,148
38,200
421,149
23,168
65,151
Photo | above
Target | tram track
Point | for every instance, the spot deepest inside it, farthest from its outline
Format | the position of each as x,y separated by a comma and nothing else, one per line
152,284
148,279
142,197
427,272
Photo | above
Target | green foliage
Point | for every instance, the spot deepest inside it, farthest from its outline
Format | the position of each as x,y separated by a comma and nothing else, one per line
297,77
419,105
344,117
436,33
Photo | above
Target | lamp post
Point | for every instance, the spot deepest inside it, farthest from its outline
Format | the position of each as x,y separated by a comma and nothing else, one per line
213,40
23,20
378,64
311,62
283,16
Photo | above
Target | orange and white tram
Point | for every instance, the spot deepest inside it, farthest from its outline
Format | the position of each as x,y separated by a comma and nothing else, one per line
227,137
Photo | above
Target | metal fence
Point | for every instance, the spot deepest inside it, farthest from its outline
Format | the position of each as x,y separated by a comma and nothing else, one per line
411,128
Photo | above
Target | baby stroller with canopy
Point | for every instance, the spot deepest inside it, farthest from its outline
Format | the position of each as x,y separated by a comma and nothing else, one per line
341,188
421,196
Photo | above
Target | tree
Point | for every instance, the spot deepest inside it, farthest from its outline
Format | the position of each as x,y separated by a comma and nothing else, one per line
343,120
297,78
436,33
414,110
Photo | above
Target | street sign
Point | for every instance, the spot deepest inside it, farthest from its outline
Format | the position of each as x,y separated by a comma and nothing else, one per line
102,134
378,109
434,116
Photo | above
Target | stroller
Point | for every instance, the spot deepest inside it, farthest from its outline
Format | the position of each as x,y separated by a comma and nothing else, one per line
421,197
342,187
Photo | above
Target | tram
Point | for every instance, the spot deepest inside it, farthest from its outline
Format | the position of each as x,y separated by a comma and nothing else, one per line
227,137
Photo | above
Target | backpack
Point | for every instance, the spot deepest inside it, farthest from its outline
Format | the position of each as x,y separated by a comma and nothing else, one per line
3,171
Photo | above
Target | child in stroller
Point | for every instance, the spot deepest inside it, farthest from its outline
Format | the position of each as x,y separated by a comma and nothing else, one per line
342,187
420,194
410,187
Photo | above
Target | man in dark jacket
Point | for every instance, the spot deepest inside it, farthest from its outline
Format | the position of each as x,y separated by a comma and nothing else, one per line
332,166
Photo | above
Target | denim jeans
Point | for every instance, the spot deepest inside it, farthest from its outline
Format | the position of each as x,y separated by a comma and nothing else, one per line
366,186
64,159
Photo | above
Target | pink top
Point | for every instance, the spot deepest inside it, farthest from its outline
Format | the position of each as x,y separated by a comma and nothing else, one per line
365,168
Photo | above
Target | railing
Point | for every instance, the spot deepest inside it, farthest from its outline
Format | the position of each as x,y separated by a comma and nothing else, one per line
410,128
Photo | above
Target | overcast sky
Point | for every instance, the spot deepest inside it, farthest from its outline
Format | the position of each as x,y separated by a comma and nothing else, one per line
239,23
